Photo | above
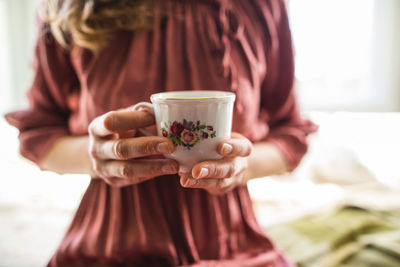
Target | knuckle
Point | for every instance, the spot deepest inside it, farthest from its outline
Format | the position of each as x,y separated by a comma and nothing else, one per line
143,148
156,169
148,148
92,152
230,172
127,171
94,149
237,149
213,171
120,149
97,167
220,172
249,148
109,120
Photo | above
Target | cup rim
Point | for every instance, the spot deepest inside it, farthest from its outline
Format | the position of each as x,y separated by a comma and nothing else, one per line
219,96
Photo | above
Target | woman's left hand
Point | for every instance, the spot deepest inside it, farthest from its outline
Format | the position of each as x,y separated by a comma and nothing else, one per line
221,176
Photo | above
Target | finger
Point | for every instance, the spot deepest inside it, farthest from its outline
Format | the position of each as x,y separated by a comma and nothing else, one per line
123,120
120,121
224,168
239,146
117,182
188,181
127,134
129,148
236,135
138,170
213,186
184,177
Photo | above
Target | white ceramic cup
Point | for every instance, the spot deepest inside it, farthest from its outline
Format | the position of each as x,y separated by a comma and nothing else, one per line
195,121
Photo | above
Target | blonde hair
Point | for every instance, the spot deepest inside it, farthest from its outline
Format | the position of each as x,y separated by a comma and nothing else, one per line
91,23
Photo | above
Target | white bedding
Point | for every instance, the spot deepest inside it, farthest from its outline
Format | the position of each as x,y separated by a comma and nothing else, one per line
352,160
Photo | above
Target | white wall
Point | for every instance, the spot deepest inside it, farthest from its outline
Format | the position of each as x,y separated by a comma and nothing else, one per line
386,57
17,38
347,54
5,71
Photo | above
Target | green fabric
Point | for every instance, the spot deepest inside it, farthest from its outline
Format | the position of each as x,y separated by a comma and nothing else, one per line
349,237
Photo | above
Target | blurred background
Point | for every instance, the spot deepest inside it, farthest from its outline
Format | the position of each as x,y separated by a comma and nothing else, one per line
341,205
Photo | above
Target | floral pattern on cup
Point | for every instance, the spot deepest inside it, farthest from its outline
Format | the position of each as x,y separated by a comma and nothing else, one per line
187,133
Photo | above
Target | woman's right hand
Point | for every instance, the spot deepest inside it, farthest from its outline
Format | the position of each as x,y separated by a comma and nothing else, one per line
120,160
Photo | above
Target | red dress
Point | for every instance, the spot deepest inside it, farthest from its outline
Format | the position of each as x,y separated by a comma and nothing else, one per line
232,45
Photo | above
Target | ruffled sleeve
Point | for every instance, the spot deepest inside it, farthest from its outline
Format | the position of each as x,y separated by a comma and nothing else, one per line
288,129
46,118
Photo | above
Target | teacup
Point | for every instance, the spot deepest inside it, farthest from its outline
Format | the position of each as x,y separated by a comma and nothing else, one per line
195,121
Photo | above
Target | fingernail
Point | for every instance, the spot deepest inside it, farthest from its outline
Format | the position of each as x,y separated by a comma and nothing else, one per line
203,173
226,149
190,182
168,168
163,148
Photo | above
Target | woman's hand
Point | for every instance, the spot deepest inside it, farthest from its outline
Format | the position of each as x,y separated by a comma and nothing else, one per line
120,160
221,176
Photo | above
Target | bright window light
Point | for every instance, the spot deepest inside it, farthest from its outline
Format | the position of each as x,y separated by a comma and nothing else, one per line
333,44
5,90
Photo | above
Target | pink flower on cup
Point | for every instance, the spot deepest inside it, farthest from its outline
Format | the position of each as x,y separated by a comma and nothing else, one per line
188,137
187,133
176,128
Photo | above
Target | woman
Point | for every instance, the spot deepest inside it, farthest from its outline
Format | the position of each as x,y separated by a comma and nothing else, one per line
101,57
